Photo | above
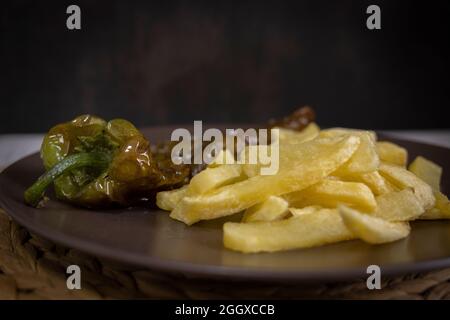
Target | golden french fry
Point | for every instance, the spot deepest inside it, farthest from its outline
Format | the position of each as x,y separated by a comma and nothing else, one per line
392,153
373,180
300,166
441,208
252,165
431,173
398,206
442,204
306,210
331,193
303,231
167,200
403,179
364,160
310,132
286,136
274,208
212,178
428,171
372,229
334,132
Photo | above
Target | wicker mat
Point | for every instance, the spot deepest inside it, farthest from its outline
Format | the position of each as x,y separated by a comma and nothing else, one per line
34,268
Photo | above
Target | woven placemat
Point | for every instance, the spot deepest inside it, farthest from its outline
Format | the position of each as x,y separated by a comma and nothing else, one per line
34,268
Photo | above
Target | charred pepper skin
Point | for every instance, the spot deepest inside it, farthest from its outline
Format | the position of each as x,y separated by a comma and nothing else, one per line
96,164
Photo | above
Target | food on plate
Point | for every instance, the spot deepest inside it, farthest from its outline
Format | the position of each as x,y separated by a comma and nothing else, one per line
391,153
94,163
427,171
398,206
431,173
300,167
332,185
373,180
402,179
331,193
212,178
365,158
372,229
292,137
274,208
167,200
320,227
98,164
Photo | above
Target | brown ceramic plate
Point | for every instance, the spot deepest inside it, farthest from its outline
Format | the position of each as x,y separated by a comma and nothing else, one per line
150,238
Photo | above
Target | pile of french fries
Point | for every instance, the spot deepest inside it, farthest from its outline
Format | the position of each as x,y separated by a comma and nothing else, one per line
332,185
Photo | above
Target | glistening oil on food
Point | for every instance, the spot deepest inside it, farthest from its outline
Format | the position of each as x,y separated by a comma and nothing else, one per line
331,185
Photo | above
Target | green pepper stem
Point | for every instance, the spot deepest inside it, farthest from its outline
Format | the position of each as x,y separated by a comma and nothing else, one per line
34,194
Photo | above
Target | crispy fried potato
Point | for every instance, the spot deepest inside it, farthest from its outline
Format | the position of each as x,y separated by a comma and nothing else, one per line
306,210
364,160
334,132
285,136
428,171
431,173
372,229
442,204
251,159
212,178
303,231
403,179
398,206
441,208
392,153
310,132
167,200
331,193
301,166
373,180
274,208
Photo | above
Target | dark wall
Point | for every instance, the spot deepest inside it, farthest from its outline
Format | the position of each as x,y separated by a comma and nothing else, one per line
243,61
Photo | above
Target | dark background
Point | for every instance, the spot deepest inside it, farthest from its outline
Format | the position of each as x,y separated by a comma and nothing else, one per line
231,61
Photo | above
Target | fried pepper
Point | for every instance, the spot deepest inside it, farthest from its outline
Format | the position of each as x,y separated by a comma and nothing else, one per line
94,163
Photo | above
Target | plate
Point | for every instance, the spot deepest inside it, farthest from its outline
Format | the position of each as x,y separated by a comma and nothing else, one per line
149,238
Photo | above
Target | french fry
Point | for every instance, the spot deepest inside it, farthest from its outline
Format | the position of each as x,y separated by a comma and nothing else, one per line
310,132
364,160
167,200
372,229
332,185
252,165
274,208
392,153
212,178
428,171
373,180
398,206
331,193
301,166
431,173
334,132
286,136
441,209
206,180
306,210
403,179
302,231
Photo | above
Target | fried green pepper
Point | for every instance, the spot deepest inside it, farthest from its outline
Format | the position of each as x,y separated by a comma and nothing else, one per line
94,163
